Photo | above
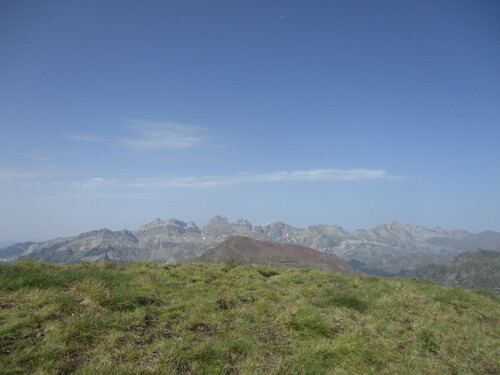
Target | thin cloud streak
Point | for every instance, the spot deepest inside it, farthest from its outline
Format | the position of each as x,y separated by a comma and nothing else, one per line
22,174
165,136
85,138
97,186
94,183
311,175
37,157
8,174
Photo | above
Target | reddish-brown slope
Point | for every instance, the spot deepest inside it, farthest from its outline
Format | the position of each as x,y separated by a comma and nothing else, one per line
248,250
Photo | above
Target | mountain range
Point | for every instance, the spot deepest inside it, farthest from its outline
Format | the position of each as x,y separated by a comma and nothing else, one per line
388,248
478,269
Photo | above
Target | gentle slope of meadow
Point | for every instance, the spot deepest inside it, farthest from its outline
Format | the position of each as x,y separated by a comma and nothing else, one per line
200,318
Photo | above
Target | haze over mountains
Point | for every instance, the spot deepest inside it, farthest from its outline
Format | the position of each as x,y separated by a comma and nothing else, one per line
388,248
478,269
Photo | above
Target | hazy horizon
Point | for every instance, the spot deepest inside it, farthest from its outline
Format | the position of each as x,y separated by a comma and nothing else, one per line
345,113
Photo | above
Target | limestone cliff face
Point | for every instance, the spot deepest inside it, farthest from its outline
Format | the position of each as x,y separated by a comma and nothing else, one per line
96,245
388,248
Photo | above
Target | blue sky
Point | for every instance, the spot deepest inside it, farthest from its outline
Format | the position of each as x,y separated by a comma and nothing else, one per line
336,112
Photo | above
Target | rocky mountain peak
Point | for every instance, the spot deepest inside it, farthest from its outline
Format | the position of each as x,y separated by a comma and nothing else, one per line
107,233
276,230
275,224
242,225
242,222
218,226
176,222
95,233
169,227
192,227
217,221
392,223
155,223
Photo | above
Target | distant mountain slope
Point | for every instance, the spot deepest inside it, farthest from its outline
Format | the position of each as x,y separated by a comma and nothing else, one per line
4,244
479,269
485,240
388,248
250,251
12,251
158,241
96,245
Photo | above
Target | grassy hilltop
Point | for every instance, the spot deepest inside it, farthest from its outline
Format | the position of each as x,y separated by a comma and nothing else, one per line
246,250
200,318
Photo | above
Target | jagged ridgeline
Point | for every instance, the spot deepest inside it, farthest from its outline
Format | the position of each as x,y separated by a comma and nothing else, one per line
387,249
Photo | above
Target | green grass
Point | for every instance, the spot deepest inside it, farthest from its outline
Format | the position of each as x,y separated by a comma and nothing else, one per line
199,318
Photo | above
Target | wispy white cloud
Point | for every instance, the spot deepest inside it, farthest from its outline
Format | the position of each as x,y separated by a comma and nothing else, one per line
10,173
312,175
110,187
37,157
165,136
155,135
85,138
94,183
46,171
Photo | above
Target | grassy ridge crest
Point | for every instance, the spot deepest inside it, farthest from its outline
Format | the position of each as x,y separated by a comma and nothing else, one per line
200,318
